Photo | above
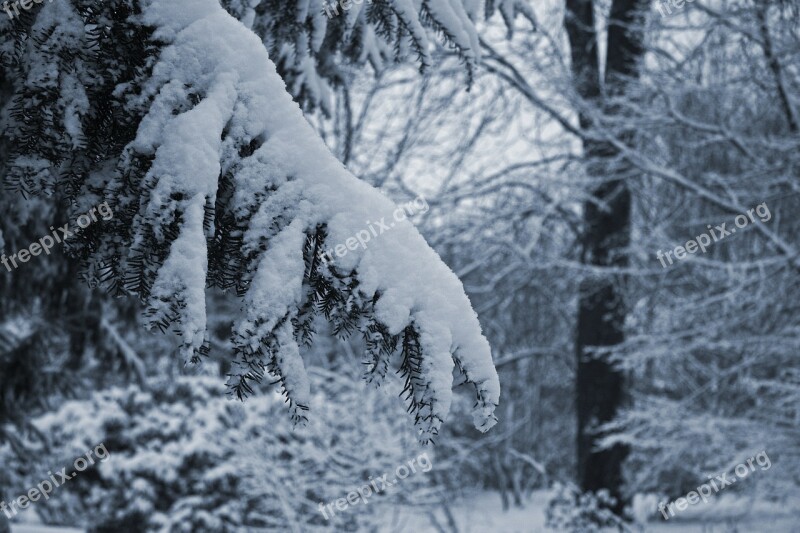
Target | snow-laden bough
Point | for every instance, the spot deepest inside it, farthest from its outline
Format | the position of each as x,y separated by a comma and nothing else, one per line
232,159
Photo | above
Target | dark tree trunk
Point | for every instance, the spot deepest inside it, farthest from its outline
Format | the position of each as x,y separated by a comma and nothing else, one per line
607,226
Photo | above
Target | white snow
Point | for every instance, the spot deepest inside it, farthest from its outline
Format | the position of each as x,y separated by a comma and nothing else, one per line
483,512
38,528
183,275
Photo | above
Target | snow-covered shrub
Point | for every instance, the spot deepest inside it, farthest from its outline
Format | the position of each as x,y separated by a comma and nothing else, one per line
580,512
185,458
644,507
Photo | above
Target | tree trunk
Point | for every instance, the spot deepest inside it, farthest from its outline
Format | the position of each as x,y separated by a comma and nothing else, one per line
607,226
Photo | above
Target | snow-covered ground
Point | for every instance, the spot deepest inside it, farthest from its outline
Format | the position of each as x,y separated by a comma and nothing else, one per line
38,528
483,513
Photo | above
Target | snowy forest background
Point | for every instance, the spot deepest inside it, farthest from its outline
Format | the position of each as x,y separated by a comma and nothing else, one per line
549,152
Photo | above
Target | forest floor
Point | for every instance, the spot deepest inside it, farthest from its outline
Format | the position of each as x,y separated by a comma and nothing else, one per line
37,528
483,513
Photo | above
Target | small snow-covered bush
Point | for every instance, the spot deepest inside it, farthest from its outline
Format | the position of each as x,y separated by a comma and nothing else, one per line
183,457
580,512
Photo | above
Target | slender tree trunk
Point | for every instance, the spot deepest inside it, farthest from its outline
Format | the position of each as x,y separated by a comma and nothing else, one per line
607,227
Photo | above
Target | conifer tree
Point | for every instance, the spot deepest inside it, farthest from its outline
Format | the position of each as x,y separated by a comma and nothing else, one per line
175,114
